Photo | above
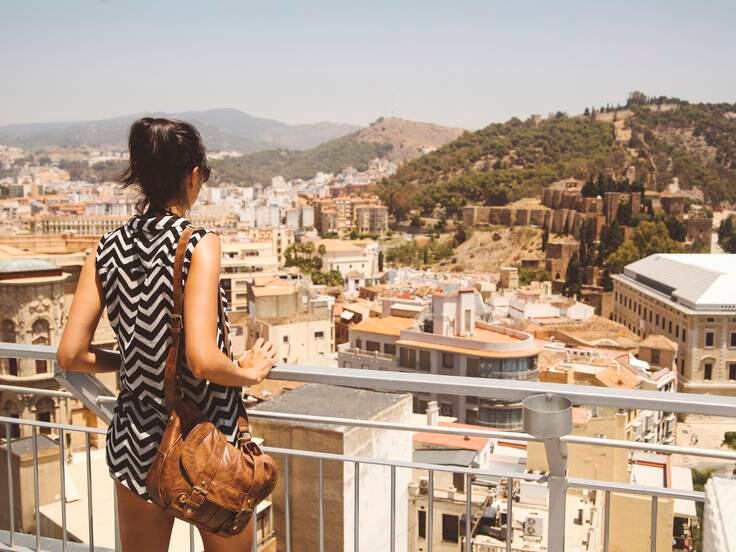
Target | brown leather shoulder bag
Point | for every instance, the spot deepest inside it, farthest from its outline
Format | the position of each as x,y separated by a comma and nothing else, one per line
197,474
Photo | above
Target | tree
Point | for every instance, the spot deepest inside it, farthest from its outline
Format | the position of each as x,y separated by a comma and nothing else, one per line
729,440
653,237
572,278
611,238
380,261
626,254
606,280
676,229
416,221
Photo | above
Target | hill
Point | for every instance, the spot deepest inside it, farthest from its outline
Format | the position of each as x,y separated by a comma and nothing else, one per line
662,139
222,129
396,139
409,139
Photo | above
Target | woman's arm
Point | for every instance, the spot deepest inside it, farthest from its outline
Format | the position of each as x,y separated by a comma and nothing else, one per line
201,304
75,352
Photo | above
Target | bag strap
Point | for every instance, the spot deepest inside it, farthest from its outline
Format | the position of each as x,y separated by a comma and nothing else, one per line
176,326
176,323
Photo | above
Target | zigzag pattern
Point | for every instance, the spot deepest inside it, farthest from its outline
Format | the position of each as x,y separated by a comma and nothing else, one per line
135,265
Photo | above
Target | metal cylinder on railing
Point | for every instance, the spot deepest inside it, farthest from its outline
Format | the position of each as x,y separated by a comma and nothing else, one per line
549,418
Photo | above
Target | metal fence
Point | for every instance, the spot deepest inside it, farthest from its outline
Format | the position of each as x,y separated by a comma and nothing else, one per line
507,390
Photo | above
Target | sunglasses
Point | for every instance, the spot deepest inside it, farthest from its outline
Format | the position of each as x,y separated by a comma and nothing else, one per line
205,170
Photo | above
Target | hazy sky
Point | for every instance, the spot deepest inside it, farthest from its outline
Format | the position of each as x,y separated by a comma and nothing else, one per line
455,62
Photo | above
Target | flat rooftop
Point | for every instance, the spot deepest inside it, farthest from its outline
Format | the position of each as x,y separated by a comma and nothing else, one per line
388,325
318,399
700,281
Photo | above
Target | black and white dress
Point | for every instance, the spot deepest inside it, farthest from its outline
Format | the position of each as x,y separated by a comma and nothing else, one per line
135,264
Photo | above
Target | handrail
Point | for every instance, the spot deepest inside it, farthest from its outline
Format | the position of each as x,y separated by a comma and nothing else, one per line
580,483
494,389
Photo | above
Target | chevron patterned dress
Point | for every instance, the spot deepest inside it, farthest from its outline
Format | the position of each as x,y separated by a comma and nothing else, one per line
135,263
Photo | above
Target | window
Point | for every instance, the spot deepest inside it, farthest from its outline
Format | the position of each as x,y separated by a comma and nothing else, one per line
449,528
319,335
656,320
682,367
670,325
732,339
285,339
471,416
458,481
41,366
710,338
655,357
425,361
472,367
358,343
732,371
684,334
407,358
373,346
708,371
448,360
44,416
422,524
420,405
389,349
447,409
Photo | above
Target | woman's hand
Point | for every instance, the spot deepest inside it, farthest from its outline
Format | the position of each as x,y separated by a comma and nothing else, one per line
258,361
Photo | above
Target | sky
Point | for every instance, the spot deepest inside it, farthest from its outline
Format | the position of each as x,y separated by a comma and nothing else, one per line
453,62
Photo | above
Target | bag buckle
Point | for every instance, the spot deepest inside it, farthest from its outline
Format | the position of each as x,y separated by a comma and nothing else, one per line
175,322
242,516
196,497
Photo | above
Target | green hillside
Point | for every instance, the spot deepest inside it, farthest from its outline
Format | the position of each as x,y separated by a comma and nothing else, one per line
504,162
332,156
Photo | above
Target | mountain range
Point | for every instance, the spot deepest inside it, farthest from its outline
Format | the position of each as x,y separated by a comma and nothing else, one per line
222,129
395,139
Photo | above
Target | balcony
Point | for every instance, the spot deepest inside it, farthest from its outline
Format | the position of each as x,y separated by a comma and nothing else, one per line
375,483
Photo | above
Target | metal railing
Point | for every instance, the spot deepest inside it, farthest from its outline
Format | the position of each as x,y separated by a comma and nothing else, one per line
508,390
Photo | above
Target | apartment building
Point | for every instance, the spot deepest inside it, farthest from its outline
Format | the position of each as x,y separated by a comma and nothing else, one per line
448,340
690,299
339,479
292,316
365,214
241,260
356,260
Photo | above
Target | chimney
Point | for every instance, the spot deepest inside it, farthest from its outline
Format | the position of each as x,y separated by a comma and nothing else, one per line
433,412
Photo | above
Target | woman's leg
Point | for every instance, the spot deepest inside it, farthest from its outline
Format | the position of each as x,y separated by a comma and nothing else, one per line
242,542
144,527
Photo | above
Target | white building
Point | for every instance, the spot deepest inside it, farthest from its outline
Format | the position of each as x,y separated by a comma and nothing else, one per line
719,531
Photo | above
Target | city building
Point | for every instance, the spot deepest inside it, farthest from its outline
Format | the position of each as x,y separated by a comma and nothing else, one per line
448,339
690,299
719,533
291,315
339,479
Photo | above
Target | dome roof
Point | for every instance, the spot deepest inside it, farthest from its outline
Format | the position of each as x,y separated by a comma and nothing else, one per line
23,264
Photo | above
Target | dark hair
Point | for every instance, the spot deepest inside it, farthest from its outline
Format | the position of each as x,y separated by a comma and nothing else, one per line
162,154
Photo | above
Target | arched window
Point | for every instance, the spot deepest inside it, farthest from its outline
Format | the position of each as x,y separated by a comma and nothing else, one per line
45,412
41,336
9,335
11,410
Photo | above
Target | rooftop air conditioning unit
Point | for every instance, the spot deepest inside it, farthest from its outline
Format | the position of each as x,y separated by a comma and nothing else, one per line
534,526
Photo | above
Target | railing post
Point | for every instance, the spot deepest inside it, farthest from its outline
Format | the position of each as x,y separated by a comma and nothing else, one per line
11,483
549,417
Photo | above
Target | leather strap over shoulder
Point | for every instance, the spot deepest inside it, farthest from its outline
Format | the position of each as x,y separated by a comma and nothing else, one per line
176,326
176,322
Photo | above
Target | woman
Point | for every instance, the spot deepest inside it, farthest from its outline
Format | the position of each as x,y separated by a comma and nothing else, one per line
130,275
